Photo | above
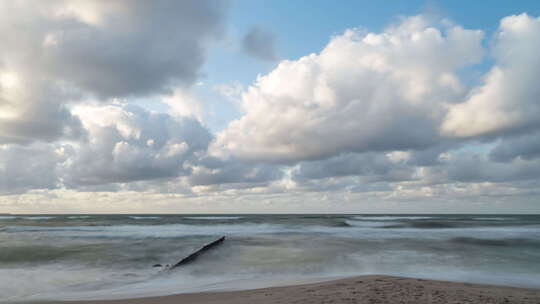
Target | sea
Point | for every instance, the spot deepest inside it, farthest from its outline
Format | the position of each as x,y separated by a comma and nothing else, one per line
67,257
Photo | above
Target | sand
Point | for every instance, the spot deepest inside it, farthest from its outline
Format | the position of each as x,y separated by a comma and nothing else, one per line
363,289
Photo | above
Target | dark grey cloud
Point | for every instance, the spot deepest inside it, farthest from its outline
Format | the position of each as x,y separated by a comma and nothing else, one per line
351,184
43,123
24,168
468,167
138,47
432,156
525,146
377,173
260,44
211,171
375,166
32,109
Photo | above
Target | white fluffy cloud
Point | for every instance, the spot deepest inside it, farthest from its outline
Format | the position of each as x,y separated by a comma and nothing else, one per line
123,143
363,92
509,100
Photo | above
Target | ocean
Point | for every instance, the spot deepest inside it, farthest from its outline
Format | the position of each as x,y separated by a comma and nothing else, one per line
58,257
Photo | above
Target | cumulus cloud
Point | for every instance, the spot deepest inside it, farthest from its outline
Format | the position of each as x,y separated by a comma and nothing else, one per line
58,52
123,144
508,102
127,143
364,92
260,44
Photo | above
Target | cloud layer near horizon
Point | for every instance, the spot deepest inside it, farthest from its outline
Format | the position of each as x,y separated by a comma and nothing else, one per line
379,116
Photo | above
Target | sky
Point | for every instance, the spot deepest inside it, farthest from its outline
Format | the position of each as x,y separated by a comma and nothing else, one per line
269,106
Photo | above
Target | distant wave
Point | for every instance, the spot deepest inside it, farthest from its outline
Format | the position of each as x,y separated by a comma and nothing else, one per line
78,217
367,224
7,217
390,217
145,217
37,218
153,231
341,224
492,218
491,242
213,217
178,230
425,225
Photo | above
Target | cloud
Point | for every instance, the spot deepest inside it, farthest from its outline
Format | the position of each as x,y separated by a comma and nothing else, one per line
232,91
61,52
127,143
469,167
31,109
526,146
372,167
23,168
363,92
213,171
184,103
260,44
373,117
508,100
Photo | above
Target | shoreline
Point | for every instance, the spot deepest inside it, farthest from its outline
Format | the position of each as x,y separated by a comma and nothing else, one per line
359,289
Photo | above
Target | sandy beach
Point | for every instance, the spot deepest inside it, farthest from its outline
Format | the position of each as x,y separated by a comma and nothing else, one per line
363,289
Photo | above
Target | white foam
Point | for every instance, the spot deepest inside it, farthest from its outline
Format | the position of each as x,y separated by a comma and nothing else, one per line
7,217
145,217
390,217
493,218
37,218
30,282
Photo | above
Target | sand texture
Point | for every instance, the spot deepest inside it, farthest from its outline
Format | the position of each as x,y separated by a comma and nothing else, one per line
363,289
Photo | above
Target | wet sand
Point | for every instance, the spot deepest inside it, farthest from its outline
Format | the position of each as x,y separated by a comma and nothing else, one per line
372,289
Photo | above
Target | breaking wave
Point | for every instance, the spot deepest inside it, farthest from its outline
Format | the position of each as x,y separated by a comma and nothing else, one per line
144,217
